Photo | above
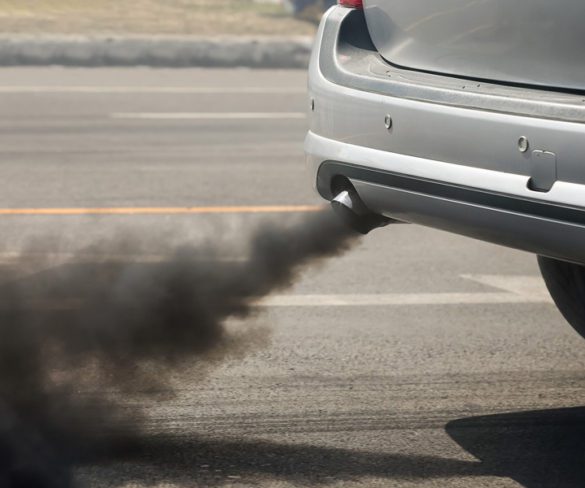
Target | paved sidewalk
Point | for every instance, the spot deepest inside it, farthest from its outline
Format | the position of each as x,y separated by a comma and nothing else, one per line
171,33
149,18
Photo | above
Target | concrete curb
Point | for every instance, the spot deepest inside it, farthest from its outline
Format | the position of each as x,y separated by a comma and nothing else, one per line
167,51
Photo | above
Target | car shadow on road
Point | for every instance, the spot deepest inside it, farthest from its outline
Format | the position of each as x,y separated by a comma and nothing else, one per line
541,448
219,462
536,449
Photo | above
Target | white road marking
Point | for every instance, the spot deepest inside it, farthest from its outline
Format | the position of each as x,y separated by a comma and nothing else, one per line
372,300
513,290
532,288
392,299
209,115
204,90
518,290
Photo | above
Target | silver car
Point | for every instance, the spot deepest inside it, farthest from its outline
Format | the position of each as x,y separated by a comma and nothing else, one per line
464,115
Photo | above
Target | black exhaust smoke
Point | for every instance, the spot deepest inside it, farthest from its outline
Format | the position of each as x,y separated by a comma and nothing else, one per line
77,339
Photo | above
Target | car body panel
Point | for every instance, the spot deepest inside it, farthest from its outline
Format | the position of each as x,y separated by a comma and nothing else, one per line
462,147
533,42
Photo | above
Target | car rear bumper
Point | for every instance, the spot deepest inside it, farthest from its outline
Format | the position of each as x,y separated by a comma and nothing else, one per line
451,158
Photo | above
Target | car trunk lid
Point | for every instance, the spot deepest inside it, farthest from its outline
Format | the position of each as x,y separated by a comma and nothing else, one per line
532,42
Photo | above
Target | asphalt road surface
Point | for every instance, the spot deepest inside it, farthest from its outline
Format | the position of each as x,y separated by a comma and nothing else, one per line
419,358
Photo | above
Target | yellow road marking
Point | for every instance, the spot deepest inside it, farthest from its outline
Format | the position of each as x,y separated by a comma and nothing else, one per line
162,210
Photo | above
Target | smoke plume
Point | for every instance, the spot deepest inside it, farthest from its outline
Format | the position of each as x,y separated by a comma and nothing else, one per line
77,337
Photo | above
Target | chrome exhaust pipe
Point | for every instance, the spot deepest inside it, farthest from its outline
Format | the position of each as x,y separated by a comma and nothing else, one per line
353,212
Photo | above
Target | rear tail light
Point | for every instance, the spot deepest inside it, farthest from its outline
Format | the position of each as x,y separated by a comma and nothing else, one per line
351,3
